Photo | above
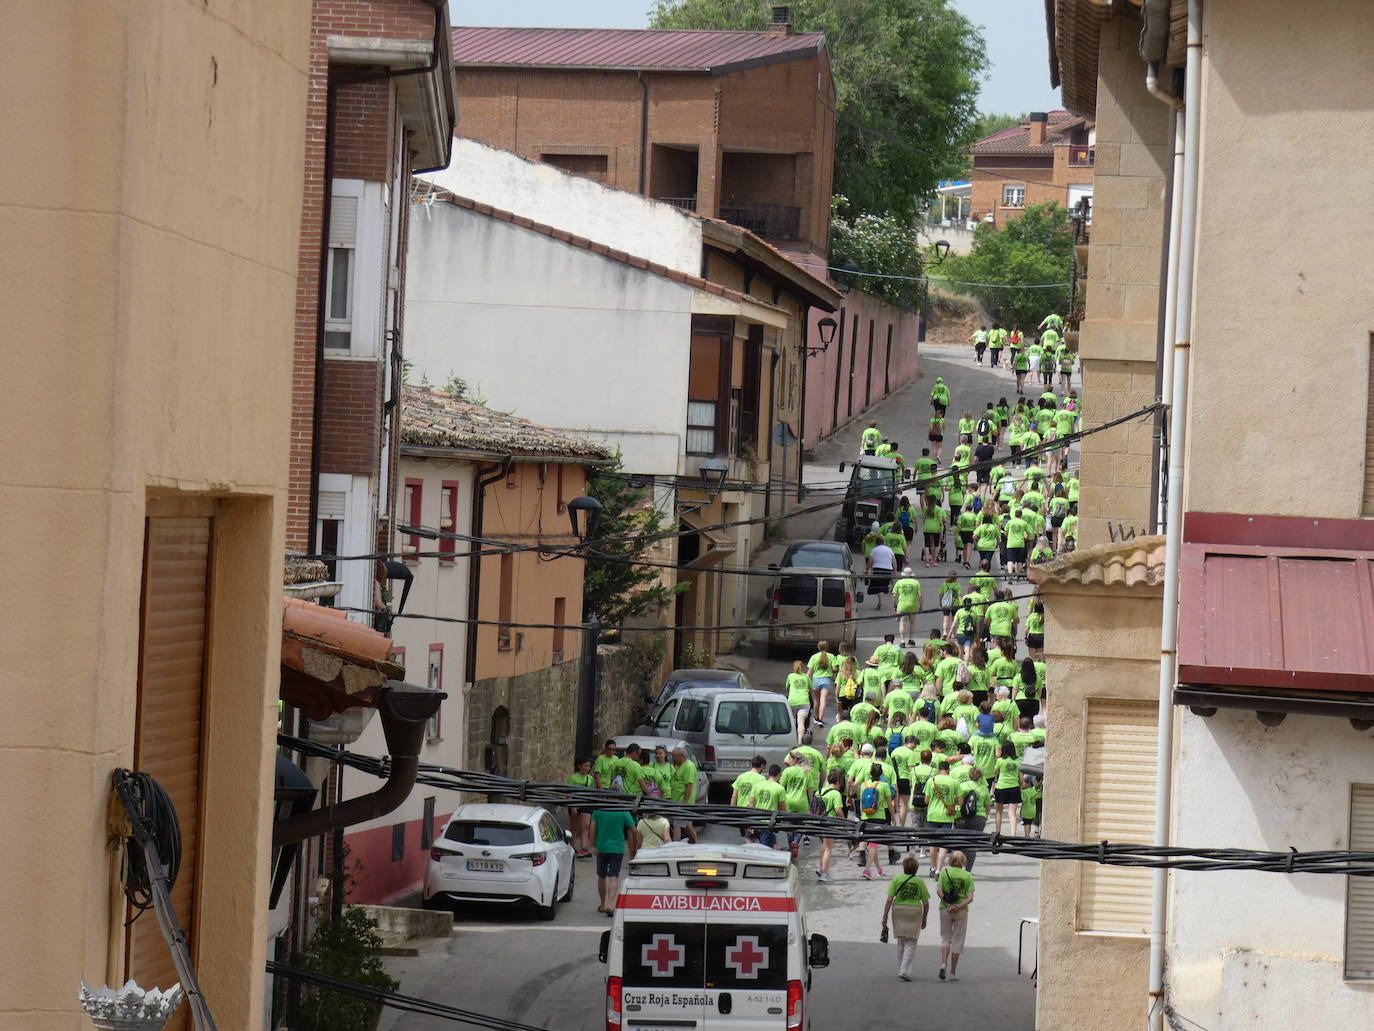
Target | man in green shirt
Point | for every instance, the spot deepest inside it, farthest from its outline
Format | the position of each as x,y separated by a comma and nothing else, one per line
870,438
605,766
874,794
743,785
1022,738
684,790
768,794
888,653
942,792
613,836
632,774
907,592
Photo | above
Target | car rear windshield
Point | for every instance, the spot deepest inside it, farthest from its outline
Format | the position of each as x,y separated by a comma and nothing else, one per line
875,481
470,832
822,555
753,718
832,593
797,590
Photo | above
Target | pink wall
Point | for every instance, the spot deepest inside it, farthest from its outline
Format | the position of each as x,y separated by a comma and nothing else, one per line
382,880
825,409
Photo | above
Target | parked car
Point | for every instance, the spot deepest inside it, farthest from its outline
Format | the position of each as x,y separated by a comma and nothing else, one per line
501,853
817,555
808,605
649,742
678,677
728,728
870,498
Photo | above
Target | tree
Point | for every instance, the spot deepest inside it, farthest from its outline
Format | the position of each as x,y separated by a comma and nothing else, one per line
616,590
906,85
877,243
1030,250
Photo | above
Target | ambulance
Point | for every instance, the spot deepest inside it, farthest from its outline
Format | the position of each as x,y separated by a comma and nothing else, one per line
710,936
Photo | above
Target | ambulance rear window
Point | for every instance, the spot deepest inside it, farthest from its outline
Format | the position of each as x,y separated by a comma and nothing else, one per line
740,956
664,955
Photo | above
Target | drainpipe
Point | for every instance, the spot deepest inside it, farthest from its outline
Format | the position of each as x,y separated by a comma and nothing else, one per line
404,715
486,476
643,129
1173,540
1178,118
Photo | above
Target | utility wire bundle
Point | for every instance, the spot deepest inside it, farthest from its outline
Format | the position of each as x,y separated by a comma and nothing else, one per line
1105,853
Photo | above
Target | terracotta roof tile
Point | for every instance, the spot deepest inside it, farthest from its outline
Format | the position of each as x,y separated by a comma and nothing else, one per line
1138,562
300,570
431,418
1015,139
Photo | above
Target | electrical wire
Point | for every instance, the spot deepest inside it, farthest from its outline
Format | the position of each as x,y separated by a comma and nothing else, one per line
154,808
1105,853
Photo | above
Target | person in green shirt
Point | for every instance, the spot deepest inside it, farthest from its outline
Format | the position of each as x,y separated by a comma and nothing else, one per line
1021,365
874,793
1066,363
605,766
632,774
975,786
1007,789
832,798
967,424
1016,530
955,885
865,714
660,773
980,342
870,438
684,791
815,762
798,688
614,837
580,820
983,748
935,433
907,592
796,783
845,729
743,786
1003,666
1035,629
949,599
889,653
822,667
767,794
942,805
1022,738
1042,552
923,467
1069,533
906,894
939,396
1030,807
1002,616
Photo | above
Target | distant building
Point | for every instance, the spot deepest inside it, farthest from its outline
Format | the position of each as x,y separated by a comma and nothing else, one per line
1047,157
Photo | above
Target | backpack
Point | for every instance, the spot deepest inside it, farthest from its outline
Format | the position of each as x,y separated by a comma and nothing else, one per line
894,741
984,427
977,503
961,675
918,795
869,799
949,893
970,804
928,710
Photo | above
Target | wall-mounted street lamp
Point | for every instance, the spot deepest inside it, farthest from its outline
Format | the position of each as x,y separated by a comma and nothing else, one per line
584,514
713,472
826,328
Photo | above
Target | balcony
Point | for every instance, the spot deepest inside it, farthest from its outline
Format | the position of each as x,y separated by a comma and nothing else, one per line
1082,157
681,203
771,221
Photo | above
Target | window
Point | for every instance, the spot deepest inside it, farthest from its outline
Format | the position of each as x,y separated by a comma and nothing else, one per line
833,594
772,718
691,718
562,498
560,617
701,427
1013,195
427,825
797,590
414,500
665,716
1359,891
505,601
398,842
435,679
329,521
448,520
1118,805
708,386
468,832
339,272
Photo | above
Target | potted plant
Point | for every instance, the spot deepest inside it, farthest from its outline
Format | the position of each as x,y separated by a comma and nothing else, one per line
347,948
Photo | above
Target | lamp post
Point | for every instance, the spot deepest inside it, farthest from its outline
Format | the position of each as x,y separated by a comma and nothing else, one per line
584,514
826,328
713,472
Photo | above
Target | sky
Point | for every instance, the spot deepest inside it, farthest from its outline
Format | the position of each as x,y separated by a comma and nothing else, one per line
1018,74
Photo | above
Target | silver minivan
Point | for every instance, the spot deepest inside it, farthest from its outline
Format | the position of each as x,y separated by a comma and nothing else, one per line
809,604
728,728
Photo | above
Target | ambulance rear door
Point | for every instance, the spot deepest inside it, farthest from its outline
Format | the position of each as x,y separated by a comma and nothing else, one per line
747,986
662,966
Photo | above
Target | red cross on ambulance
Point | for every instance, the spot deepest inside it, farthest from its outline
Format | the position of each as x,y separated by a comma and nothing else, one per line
663,955
746,957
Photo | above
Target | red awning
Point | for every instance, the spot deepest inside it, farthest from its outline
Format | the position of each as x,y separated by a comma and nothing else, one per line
1277,602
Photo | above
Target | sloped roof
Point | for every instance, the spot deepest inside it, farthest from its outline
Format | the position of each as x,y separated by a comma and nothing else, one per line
431,418
1015,139
1138,562
1073,28
658,50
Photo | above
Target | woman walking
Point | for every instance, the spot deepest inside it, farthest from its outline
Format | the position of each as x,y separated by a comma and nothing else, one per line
799,698
906,894
821,667
956,895
1007,793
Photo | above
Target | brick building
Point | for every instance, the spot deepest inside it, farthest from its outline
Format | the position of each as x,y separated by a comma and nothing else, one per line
381,105
733,125
1047,157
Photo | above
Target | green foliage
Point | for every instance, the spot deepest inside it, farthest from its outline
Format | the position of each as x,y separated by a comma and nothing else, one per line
877,243
906,76
461,390
1034,248
346,948
616,591
694,657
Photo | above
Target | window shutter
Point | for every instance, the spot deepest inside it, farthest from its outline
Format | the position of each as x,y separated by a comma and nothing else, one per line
1359,891
170,703
1369,436
343,221
331,504
1118,805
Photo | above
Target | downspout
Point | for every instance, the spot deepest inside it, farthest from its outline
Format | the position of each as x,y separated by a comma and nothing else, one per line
1173,539
801,409
479,491
643,128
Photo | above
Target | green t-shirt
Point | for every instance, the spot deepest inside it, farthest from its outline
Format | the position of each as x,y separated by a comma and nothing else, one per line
582,780
967,523
1001,617
898,700
767,794
841,730
743,786
1070,527
1021,739
923,731
1049,338
945,670
980,789
798,689
859,714
908,889
953,879
662,775
870,437
985,537
984,752
684,782
896,541
941,788
795,779
872,678
1009,710
884,798
908,593
1022,361
1003,670
889,654
610,828
1030,803
1008,772
834,801
933,520
632,775
606,767
823,664
923,467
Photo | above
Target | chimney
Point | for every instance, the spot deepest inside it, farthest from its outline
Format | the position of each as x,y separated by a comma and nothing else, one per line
1038,125
782,21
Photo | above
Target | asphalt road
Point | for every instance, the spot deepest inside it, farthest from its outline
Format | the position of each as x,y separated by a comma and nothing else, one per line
505,963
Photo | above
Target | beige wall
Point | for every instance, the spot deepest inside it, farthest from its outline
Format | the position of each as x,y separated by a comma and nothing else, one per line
1119,337
1101,642
151,164
1283,98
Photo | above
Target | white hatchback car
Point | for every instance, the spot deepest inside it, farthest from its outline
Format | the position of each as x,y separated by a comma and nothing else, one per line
501,853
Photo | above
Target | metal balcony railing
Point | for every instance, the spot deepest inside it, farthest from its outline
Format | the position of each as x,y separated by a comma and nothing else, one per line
1082,156
684,203
774,221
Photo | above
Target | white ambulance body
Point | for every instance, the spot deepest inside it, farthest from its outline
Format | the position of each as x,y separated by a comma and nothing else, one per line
710,937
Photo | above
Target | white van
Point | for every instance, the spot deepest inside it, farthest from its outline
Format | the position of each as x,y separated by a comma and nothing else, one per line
710,936
808,605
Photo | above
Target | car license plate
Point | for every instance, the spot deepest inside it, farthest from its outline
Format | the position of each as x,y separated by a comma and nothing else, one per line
733,764
487,865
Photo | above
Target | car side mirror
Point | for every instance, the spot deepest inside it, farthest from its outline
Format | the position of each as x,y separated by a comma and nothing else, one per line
772,565
818,946
567,836
605,947
841,467
906,474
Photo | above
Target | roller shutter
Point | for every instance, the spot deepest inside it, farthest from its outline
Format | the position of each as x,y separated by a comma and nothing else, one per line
170,716
1359,891
1118,805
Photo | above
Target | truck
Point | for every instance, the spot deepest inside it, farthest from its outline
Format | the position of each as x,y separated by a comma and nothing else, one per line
871,497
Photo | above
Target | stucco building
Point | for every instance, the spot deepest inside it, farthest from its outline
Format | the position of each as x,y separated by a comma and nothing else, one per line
1267,544
1047,157
144,486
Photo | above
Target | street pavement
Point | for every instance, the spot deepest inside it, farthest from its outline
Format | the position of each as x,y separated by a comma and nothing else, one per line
503,962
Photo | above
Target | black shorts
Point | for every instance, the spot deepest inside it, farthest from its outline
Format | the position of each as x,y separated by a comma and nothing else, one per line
908,533
1056,521
948,610
1007,796
936,437
985,555
608,863
879,580
1016,554
903,786
1036,641
965,538
1015,451
984,477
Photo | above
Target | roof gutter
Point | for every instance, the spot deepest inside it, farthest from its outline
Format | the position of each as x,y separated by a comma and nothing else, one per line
1173,539
404,716
470,455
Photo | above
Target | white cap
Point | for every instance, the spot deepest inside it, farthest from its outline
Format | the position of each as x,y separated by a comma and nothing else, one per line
866,750
908,571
